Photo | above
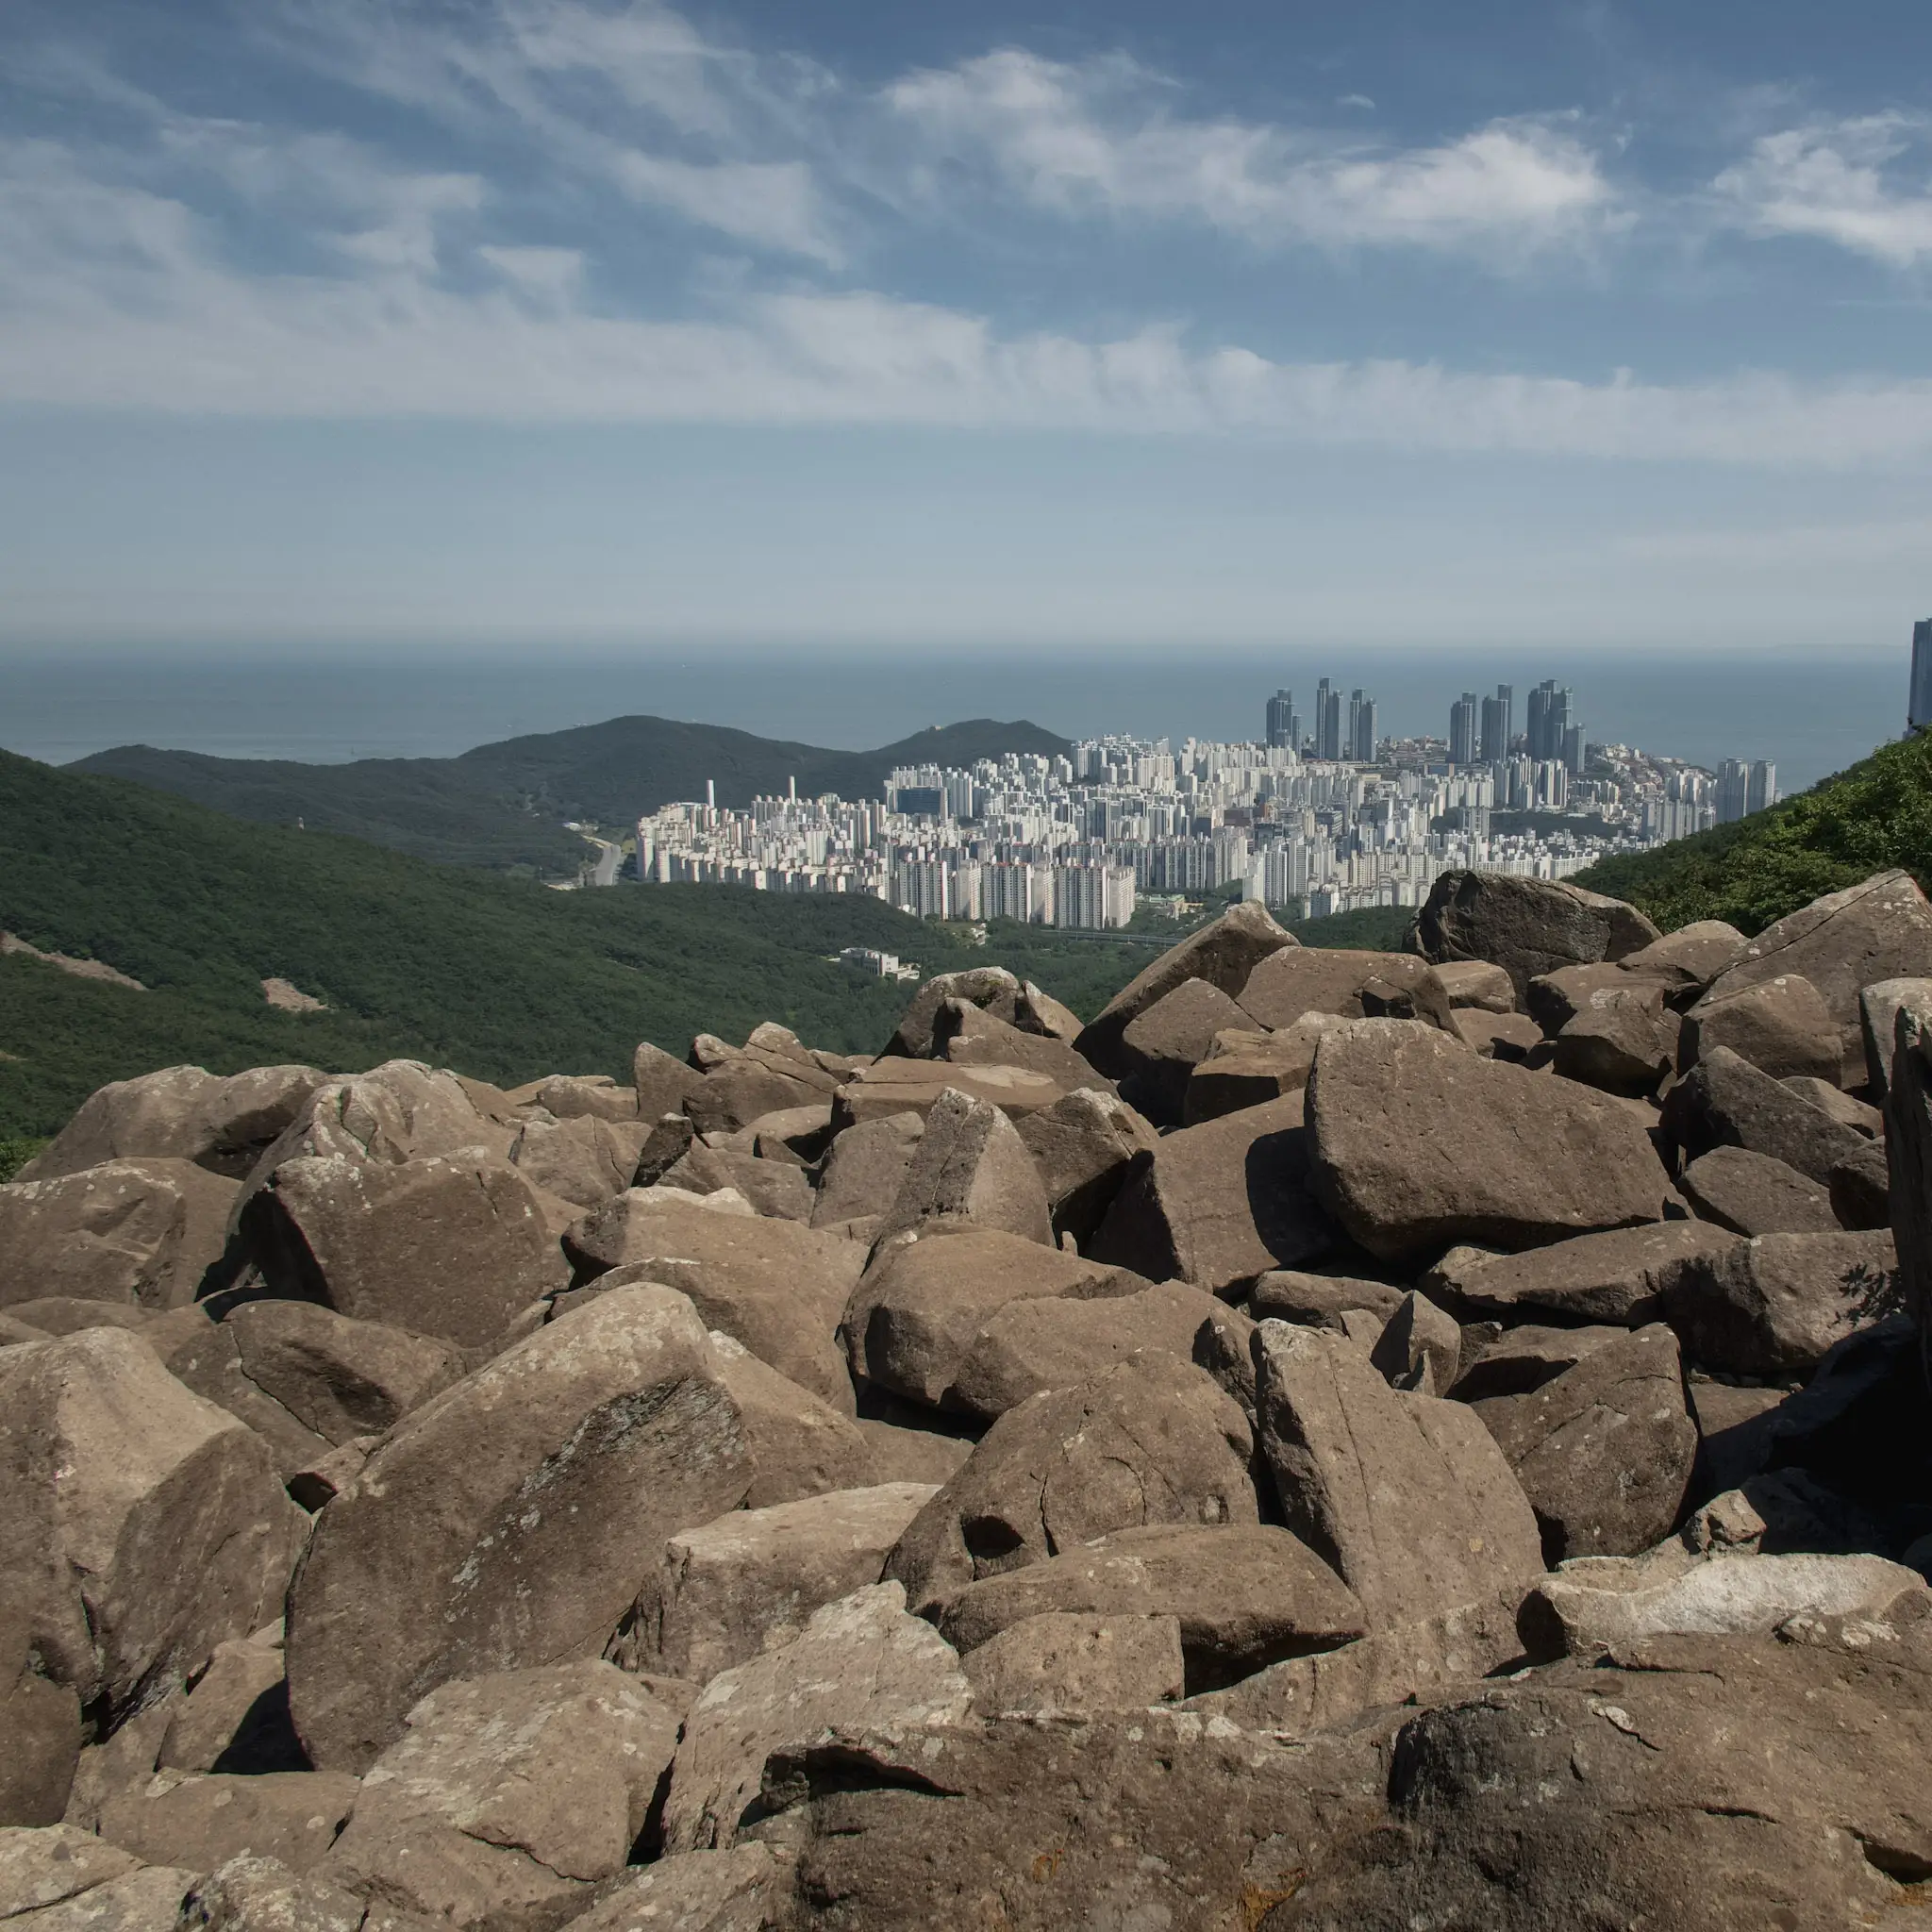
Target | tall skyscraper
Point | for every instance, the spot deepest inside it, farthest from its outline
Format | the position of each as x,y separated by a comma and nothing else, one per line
1361,728
1499,724
1919,712
1733,791
1284,727
1762,789
1327,723
1575,752
1462,730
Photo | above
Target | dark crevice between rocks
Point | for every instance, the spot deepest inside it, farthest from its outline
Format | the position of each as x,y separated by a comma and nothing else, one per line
797,1778
265,1739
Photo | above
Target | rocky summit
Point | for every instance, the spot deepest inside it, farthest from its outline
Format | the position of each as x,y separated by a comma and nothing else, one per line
1424,1440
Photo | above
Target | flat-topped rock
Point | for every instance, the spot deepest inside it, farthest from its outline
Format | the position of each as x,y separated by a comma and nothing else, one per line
1322,979
902,1086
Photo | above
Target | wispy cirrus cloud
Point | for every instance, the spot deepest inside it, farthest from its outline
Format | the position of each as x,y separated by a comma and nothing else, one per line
1839,181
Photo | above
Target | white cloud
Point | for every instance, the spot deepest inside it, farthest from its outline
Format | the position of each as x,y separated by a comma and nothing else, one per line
1097,136
772,204
1834,181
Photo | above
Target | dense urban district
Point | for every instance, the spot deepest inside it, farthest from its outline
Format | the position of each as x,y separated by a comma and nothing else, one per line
1322,818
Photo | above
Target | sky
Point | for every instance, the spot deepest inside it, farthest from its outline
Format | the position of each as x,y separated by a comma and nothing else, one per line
533,323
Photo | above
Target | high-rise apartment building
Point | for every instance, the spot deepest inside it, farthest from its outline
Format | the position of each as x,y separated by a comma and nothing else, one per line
1733,791
1919,711
1284,727
1575,752
1462,730
1499,724
1762,789
1361,728
1327,723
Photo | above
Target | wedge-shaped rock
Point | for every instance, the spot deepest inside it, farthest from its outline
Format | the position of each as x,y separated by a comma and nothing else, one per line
1416,1144
860,1664
1473,986
1625,1276
779,1287
1555,999
436,1246
1161,1047
1151,1442
138,1524
1221,1204
1878,1011
513,1520
1322,979
1781,1026
1843,943
1622,1039
1245,1596
776,1189
40,1730
1419,1347
1604,1450
970,1166
913,1319
992,988
1526,926
290,1816
893,1085
749,1582
1407,1496
585,1096
800,1447
864,1171
1774,1305
1028,1346
1083,1147
1691,957
507,1791
1223,953
180,1113
1727,1102
771,1072
133,1230
1251,1069
1315,1300
1752,1193
662,1082
586,1160
964,1035
1066,1661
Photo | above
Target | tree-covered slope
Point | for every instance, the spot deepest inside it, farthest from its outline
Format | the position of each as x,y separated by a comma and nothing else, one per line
504,804
1869,818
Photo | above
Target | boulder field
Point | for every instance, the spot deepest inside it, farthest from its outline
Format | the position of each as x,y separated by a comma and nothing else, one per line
1343,1439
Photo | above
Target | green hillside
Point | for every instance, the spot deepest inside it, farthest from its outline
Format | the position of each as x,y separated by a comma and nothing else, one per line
1871,817
503,805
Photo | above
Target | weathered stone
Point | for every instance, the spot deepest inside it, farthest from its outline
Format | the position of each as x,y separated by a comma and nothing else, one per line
743,1889
588,1096
1845,1108
1495,1036
1407,1496
513,1520
436,1246
1604,1450
1320,979
992,988
1473,986
1735,1426
252,1894
904,1453
1152,1441
1065,1660
779,1287
586,1160
1859,1188
1082,1146
1878,1011
1622,1039
1691,957
40,1728
970,1166
1159,1048
1415,1143
776,1190
1245,1596
1416,997
233,1699
1623,1276
798,1134
748,1582
912,1321
147,1231
865,1169
1908,1152
1752,1193
1781,1026
1727,1102
60,1879
860,1663
663,1082
180,1113
1555,999
1038,1013
1026,1346
507,1791
200,1822
1526,926
138,1524
1774,1305
1252,1069
1419,1347
894,1086
1221,1204
1223,953
740,1084
1783,1512
964,1035
665,1144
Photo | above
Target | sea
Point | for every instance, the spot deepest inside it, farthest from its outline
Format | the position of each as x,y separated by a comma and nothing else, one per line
1811,714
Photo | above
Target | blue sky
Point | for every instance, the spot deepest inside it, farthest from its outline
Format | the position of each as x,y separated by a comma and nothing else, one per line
535,322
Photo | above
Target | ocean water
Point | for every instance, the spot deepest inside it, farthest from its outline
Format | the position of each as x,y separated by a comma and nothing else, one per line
1812,714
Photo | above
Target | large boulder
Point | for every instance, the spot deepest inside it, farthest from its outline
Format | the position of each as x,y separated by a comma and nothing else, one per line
1781,1026
992,988
1415,1143
1065,1662
895,1086
138,1524
770,1072
860,1664
912,1320
1221,1204
1691,957
1623,1276
145,1230
1622,1039
1879,1009
1320,979
1152,1441
748,1582
1161,1047
800,1447
970,1166
585,1159
775,1189
1082,1146
508,1792
222,1124
1249,1069
514,1520
39,1727
1727,1102
1406,1496
964,1035
1752,1193
438,1246
777,1286
1526,926
290,1816
1908,1156
864,1171
1603,1450
1223,953
233,1707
